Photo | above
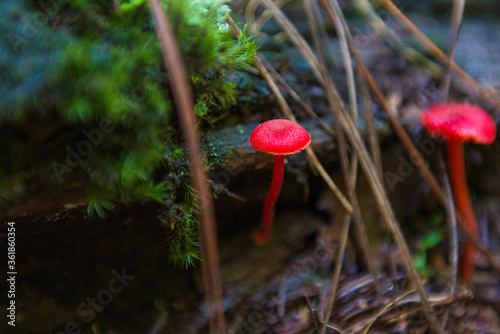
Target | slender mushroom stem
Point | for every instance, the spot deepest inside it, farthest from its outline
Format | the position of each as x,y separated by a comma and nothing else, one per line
463,203
261,234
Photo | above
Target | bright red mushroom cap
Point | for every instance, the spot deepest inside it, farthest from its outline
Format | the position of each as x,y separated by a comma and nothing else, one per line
460,122
279,137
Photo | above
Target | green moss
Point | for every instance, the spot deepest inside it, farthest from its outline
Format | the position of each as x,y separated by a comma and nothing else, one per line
86,101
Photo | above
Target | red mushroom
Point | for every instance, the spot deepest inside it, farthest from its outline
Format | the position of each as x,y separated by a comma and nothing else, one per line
279,137
458,123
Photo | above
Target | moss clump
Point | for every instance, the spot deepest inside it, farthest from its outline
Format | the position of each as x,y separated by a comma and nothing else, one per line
86,103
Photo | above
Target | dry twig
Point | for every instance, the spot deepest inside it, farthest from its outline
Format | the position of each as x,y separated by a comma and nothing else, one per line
183,99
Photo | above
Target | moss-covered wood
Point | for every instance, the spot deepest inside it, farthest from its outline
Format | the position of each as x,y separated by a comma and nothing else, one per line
86,114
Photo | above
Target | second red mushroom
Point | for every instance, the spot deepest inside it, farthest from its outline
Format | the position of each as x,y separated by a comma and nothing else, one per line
458,123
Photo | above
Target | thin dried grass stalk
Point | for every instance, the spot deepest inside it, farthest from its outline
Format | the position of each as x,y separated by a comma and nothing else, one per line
255,24
349,175
451,221
456,22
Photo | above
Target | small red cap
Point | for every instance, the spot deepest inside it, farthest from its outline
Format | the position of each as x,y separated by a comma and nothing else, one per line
460,122
279,137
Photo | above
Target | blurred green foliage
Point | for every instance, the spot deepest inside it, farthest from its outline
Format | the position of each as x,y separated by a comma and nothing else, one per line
67,66
432,235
